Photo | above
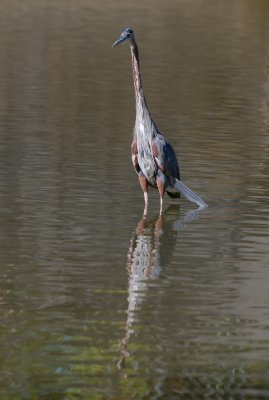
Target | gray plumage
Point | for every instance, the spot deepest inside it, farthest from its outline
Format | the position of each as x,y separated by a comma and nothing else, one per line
153,157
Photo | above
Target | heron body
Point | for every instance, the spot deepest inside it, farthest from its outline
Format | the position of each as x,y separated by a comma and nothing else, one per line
153,157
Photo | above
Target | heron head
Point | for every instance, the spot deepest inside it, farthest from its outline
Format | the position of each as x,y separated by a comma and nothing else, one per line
126,34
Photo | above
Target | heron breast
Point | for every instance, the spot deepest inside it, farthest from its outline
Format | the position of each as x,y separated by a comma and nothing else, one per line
147,164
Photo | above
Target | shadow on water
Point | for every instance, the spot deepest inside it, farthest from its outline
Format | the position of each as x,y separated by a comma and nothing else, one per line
151,247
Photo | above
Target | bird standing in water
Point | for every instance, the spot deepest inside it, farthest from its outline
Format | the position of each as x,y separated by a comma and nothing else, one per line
153,157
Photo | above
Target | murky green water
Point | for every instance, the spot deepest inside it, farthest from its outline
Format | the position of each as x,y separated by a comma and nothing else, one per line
94,302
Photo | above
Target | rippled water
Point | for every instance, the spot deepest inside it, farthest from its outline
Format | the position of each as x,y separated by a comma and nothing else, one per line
95,302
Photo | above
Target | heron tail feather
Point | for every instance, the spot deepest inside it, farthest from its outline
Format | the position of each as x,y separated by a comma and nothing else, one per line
187,193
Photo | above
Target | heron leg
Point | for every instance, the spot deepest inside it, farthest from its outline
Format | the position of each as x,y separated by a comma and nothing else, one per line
144,186
145,212
161,187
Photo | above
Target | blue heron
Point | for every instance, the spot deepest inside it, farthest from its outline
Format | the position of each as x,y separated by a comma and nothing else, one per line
153,157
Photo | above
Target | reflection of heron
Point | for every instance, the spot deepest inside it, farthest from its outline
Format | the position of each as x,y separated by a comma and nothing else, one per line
153,157
151,247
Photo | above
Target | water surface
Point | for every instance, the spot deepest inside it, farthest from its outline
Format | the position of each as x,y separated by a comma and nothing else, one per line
95,302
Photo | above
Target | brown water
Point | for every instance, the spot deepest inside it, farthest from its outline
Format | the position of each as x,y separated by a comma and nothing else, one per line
95,303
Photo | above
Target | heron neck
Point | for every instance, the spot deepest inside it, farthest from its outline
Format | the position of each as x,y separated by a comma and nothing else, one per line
141,105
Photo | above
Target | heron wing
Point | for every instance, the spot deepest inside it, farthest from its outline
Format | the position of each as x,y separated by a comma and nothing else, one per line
165,156
166,160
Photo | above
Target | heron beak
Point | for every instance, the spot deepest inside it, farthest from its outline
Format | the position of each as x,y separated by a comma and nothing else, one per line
121,39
